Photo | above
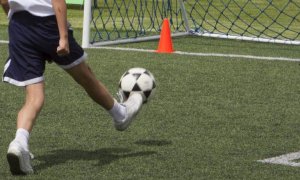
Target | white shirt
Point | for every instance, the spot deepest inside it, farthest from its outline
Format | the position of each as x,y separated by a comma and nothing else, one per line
40,8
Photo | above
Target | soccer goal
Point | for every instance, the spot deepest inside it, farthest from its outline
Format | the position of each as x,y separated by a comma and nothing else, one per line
122,21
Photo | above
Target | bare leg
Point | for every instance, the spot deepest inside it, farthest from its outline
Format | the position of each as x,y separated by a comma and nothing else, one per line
84,76
33,104
18,156
122,114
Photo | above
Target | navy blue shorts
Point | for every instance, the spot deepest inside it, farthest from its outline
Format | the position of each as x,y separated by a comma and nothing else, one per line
32,42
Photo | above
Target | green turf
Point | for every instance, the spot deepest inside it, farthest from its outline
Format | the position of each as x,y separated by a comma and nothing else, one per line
211,118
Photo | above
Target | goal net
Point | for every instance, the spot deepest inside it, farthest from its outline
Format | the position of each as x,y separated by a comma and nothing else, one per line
121,21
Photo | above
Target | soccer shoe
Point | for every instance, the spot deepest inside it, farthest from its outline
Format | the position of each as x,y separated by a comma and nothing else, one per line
133,105
121,96
19,159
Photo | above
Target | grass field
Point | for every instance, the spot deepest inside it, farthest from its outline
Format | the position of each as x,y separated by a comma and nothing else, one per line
212,117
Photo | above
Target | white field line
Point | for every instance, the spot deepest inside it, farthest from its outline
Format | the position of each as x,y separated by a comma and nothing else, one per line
3,42
286,159
206,54
199,54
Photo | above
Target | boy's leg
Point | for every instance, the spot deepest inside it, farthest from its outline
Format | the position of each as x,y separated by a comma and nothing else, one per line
18,155
122,114
33,104
5,5
84,76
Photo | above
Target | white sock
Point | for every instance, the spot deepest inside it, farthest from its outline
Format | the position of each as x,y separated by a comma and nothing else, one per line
118,111
22,136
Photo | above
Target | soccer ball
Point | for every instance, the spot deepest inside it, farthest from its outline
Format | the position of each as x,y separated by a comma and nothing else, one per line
137,80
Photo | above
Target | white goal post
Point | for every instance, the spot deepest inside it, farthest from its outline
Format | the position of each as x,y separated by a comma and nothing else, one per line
121,21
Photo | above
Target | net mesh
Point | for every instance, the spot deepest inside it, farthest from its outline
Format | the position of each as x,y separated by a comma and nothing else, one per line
113,20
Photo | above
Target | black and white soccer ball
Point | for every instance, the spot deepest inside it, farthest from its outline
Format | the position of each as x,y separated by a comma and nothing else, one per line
137,80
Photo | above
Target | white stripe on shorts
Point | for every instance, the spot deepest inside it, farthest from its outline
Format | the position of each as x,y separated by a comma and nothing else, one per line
78,61
19,83
6,65
23,83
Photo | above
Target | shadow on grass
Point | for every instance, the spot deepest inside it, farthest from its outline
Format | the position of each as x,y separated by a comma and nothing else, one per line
105,156
153,142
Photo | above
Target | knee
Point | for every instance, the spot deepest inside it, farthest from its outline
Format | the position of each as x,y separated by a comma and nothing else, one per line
35,96
36,101
82,74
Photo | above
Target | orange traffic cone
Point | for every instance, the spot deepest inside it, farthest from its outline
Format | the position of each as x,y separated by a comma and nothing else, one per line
165,42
